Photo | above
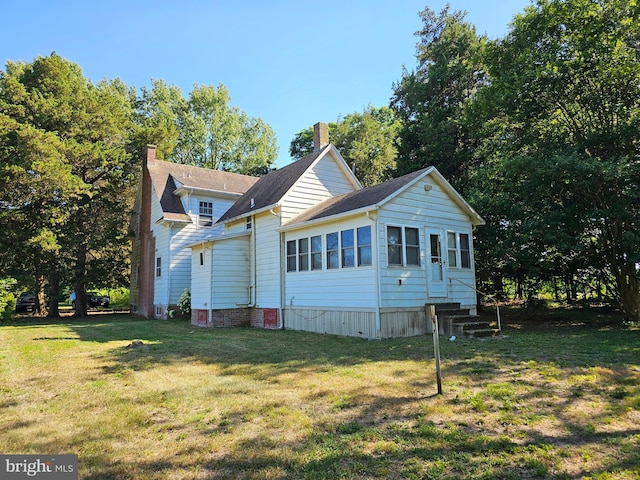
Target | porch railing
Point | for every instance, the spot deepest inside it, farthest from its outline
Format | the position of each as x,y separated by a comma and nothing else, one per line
486,295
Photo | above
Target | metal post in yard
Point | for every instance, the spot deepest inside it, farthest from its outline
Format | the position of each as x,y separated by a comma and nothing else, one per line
436,345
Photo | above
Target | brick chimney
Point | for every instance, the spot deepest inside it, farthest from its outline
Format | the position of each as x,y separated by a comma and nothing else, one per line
320,136
150,155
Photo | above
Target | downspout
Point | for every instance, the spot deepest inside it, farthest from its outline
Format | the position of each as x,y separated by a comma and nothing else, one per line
376,255
210,306
169,270
282,271
252,264
282,281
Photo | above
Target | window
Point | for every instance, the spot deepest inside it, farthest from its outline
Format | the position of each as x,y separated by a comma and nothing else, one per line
412,239
465,251
343,249
394,245
452,249
205,214
347,248
303,254
403,246
316,253
459,250
159,267
202,259
249,223
291,256
364,246
332,250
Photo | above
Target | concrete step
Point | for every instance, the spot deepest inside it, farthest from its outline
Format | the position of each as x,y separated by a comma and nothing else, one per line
481,333
463,325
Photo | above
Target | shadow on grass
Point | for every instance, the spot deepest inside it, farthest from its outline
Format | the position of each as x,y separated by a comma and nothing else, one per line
375,435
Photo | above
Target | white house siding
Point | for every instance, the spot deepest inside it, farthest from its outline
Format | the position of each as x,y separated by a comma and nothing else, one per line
201,277
325,180
267,258
232,276
171,241
407,286
341,301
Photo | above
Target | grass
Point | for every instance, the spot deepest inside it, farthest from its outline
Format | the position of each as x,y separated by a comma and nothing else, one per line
555,400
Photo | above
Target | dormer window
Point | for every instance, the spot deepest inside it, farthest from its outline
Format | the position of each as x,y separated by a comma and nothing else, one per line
205,214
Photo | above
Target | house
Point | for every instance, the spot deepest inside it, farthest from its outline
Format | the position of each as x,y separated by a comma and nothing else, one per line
175,205
307,248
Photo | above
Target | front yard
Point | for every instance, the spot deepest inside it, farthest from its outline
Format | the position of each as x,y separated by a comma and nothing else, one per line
560,400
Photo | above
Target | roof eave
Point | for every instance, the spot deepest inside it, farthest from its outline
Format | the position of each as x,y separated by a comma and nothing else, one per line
218,238
330,218
190,190
249,213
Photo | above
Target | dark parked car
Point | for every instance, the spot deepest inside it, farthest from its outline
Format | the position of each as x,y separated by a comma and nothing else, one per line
26,302
94,299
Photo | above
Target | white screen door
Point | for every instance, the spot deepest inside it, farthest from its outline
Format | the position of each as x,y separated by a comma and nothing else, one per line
437,274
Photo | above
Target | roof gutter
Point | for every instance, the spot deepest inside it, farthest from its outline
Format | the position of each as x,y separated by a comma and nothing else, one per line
269,208
217,238
368,211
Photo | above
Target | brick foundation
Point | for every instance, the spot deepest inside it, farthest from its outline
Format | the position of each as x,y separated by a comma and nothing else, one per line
238,317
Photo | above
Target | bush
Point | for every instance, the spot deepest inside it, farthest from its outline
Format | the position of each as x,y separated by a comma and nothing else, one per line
184,303
7,298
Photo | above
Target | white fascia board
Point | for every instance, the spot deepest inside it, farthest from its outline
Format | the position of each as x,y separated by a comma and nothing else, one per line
331,218
251,212
205,191
218,238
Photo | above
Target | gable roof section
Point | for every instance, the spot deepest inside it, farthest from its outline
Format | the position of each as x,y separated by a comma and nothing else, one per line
166,176
270,188
378,195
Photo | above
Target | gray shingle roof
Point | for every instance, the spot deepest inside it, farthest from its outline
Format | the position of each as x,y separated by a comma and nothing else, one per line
269,189
165,174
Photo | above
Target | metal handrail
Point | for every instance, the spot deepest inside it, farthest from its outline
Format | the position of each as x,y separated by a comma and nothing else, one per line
487,295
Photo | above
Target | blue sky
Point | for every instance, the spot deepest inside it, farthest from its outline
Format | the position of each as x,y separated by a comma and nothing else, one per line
291,62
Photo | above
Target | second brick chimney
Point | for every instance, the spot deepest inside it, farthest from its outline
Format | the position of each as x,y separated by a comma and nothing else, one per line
320,136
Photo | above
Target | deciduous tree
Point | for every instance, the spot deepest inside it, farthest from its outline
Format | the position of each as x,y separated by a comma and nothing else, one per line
563,123
367,141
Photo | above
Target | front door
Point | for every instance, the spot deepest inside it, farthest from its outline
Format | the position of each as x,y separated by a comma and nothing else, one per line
437,273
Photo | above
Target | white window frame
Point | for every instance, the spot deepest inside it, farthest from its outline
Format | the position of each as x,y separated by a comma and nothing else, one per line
461,255
403,246
205,214
316,253
364,246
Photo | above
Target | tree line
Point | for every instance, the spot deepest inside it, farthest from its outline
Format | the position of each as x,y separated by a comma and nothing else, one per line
69,166
538,130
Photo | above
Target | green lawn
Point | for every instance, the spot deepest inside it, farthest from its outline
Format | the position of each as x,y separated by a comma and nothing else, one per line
553,400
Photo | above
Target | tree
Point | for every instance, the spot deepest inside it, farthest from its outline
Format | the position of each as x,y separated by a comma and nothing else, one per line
158,111
204,130
367,141
67,172
430,101
563,115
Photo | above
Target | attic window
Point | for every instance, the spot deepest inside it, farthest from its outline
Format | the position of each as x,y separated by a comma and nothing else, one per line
205,214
